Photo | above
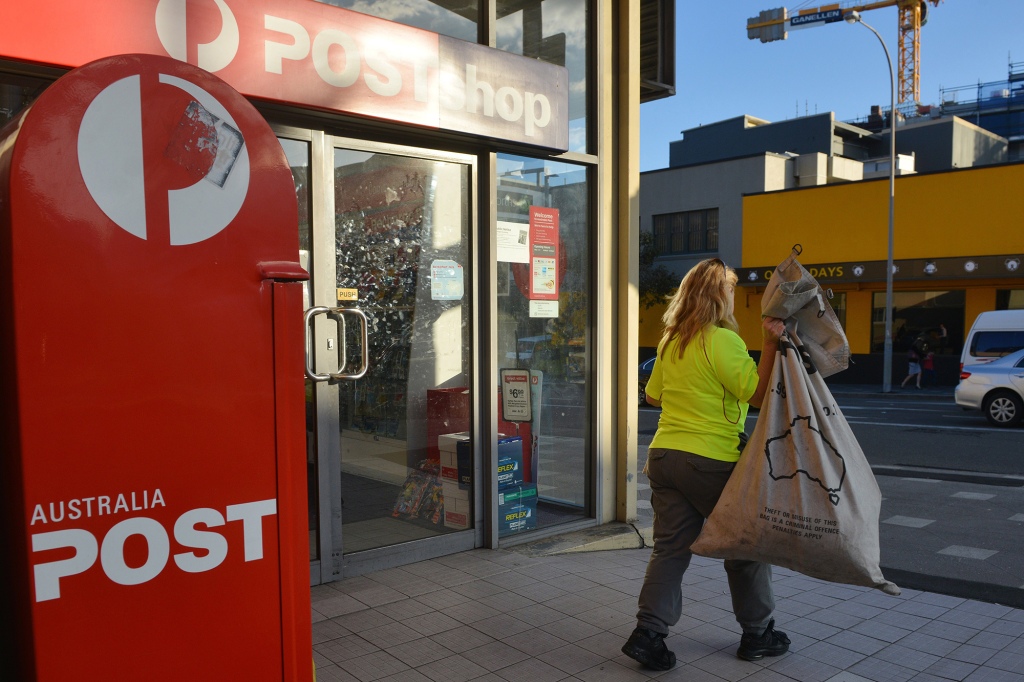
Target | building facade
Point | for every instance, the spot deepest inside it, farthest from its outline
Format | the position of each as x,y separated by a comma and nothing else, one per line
440,161
823,184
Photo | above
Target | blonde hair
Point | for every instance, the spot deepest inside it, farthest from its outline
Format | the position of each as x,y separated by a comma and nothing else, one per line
702,301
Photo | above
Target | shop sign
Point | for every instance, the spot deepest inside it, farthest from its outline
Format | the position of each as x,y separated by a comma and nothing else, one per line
313,55
919,269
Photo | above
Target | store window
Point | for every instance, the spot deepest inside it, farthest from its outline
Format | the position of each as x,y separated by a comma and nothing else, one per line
554,31
544,314
1010,299
686,232
918,319
16,93
455,18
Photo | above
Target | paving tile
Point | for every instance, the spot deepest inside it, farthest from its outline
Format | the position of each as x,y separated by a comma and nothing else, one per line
950,631
857,642
327,630
984,674
532,670
501,626
613,671
801,668
906,657
452,669
572,658
570,629
1005,660
375,666
831,654
991,640
344,648
929,644
495,656
332,673
419,652
461,639
951,670
880,670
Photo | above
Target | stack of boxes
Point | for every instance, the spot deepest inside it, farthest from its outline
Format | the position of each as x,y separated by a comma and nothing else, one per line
517,500
456,479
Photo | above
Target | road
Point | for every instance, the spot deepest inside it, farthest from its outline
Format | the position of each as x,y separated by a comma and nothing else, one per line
952,516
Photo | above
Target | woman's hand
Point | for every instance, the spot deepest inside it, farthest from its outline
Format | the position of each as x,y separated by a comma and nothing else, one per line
772,329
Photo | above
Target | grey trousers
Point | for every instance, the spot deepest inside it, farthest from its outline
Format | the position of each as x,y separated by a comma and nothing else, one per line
684,489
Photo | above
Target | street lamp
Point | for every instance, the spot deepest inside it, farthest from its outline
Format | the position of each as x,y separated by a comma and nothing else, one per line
853,17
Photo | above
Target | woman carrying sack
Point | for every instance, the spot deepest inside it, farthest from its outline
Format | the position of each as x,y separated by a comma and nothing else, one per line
703,379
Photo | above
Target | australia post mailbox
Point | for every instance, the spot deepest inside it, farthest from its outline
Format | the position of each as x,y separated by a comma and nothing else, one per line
152,413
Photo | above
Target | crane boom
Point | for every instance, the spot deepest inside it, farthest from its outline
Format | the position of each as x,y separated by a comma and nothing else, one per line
771,25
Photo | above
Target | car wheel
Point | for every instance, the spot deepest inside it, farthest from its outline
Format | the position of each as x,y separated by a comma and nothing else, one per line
1003,408
642,397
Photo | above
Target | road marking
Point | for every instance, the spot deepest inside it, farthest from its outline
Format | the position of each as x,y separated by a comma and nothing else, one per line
908,521
973,496
931,426
968,552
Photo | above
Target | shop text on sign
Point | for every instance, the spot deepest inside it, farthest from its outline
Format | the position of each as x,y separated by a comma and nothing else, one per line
313,55
515,392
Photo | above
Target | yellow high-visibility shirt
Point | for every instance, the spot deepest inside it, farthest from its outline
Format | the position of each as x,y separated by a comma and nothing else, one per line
704,394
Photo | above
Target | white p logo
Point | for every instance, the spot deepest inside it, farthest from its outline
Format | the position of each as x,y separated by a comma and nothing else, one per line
110,157
213,56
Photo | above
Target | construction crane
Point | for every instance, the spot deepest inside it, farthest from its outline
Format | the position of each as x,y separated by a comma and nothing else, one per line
772,25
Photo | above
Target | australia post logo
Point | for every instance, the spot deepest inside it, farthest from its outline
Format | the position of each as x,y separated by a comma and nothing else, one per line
159,153
314,54
127,537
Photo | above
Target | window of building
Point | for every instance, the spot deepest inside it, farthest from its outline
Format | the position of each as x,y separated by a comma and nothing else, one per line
1010,299
553,31
918,318
549,336
686,232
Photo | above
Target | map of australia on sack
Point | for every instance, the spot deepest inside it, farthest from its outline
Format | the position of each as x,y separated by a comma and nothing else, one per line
802,494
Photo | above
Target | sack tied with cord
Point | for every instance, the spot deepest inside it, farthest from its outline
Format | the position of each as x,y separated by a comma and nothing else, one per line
802,495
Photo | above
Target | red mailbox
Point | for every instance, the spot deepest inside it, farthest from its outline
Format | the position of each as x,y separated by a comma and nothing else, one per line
153,464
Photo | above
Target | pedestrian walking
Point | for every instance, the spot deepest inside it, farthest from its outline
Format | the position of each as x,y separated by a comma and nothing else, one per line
703,379
928,369
913,367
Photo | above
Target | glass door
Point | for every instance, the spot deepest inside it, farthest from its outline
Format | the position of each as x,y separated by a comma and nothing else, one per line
395,245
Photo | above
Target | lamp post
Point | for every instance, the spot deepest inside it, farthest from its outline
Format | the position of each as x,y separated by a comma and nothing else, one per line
853,17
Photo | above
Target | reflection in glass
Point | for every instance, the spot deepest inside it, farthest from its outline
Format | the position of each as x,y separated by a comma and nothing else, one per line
16,93
916,318
551,342
455,18
554,31
297,153
401,249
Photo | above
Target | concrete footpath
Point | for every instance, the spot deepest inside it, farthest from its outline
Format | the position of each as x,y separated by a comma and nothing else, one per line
560,608
521,614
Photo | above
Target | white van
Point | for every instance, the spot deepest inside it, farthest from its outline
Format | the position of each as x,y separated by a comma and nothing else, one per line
994,334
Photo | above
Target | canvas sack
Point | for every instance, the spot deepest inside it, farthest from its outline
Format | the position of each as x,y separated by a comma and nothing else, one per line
794,295
802,494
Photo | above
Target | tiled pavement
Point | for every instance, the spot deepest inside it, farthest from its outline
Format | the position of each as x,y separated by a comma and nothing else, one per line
501,615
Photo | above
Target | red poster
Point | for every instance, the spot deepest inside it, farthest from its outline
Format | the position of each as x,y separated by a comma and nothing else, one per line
544,263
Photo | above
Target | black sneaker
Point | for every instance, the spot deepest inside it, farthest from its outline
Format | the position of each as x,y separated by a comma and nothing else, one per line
770,643
648,649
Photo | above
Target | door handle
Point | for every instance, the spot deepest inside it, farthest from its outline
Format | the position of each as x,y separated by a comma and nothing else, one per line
339,315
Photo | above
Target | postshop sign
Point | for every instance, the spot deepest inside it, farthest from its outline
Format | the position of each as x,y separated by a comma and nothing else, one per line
313,55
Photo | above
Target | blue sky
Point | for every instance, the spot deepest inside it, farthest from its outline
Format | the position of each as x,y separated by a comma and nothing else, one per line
838,67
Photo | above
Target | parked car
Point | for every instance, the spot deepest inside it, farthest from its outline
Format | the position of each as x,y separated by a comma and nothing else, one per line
525,347
996,388
994,334
644,375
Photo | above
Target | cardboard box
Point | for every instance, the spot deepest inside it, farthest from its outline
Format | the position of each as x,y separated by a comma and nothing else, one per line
458,513
456,452
510,462
517,509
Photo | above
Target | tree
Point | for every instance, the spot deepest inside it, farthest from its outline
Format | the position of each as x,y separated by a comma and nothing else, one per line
656,282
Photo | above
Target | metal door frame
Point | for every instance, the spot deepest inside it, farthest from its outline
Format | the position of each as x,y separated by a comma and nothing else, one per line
334,564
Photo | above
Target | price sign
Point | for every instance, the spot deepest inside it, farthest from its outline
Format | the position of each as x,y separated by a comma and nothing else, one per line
515,395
